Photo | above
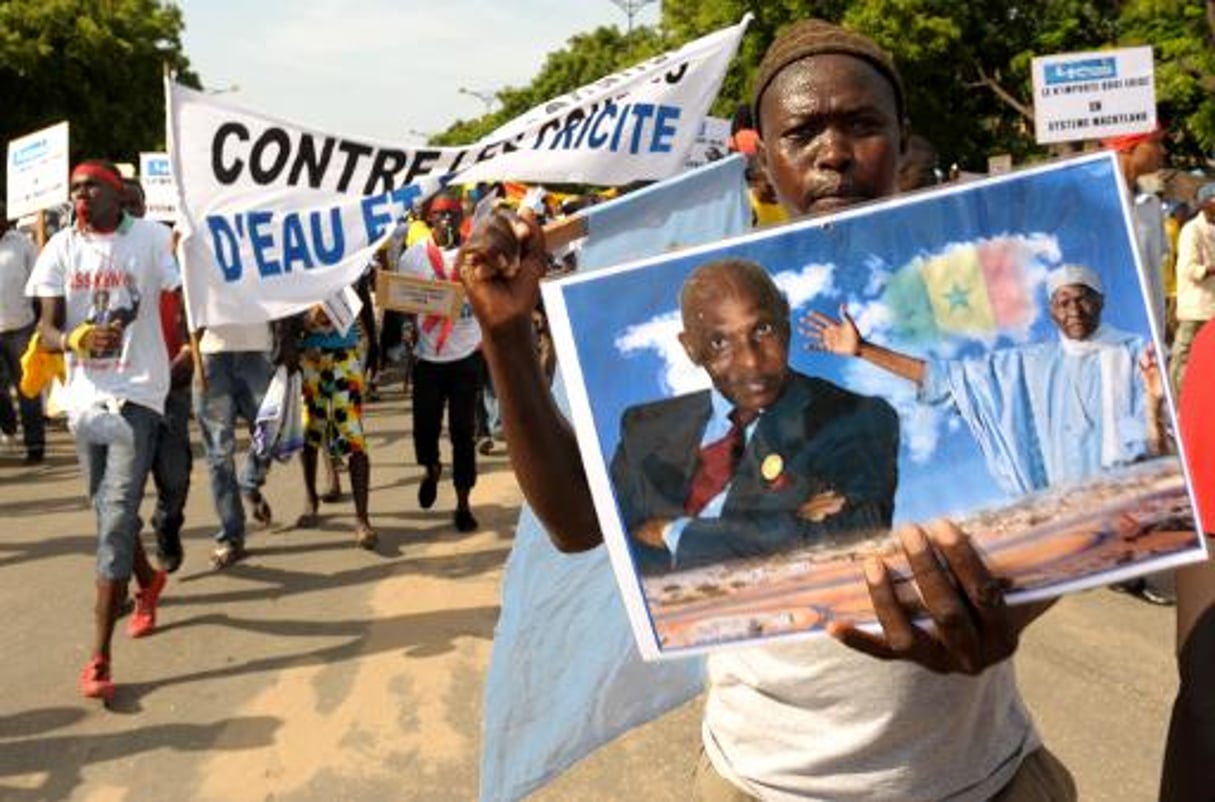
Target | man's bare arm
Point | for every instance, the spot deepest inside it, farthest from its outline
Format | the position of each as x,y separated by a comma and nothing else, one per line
842,337
501,265
50,324
1153,381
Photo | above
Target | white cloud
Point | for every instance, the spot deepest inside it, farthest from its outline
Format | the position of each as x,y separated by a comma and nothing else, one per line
661,334
807,284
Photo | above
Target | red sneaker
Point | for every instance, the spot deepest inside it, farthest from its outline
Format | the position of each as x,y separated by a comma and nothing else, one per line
95,682
143,619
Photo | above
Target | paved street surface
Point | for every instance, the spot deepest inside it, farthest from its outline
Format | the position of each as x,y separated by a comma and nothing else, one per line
315,671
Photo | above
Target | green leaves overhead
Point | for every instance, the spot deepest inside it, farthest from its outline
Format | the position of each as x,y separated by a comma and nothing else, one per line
97,64
966,63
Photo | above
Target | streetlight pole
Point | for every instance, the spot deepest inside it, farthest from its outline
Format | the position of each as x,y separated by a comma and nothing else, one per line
487,98
630,8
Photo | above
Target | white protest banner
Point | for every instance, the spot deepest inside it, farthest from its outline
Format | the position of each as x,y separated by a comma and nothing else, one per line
37,171
159,189
1093,95
637,124
278,217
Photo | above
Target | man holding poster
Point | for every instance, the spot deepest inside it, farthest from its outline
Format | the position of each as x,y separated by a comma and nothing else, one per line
808,719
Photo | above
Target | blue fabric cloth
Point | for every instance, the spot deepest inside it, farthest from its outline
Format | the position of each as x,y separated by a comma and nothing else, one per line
1039,413
565,675
331,340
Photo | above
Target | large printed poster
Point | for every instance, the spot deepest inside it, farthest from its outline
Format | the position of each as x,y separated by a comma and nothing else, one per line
757,416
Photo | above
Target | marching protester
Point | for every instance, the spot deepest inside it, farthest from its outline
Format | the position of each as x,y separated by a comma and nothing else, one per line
118,377
1195,280
17,317
912,712
446,374
334,382
174,456
237,364
1139,156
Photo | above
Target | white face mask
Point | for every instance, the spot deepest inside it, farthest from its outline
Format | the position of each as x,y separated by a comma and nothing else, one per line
1150,184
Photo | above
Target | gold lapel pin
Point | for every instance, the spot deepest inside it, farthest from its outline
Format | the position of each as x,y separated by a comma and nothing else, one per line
771,467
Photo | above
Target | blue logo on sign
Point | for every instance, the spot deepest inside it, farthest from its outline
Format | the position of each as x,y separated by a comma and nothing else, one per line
1089,69
158,168
30,153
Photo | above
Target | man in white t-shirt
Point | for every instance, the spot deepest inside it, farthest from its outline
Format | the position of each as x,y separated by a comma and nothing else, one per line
923,712
98,284
447,373
17,255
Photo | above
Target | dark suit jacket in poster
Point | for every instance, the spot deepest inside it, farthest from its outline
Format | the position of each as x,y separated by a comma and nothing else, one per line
827,438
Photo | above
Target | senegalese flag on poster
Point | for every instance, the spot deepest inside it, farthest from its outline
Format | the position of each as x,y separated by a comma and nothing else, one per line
971,289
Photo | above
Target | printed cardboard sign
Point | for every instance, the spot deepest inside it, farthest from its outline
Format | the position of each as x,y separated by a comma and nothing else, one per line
418,296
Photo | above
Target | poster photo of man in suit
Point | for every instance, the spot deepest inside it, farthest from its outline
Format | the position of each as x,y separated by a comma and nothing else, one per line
766,459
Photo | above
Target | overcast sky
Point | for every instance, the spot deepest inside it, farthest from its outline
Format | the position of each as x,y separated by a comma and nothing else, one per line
380,68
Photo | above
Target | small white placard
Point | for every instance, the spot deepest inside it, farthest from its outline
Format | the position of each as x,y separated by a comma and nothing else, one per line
37,171
343,309
1094,95
159,188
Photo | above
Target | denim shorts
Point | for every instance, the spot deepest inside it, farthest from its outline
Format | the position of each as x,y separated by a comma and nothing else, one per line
116,474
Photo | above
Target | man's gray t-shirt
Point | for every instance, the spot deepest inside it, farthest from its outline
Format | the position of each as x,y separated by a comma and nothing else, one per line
812,719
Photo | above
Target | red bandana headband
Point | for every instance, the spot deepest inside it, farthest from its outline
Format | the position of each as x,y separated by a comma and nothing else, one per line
445,204
98,172
1122,144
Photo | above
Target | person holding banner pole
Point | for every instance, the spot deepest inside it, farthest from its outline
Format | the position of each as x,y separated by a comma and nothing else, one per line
447,373
118,377
238,362
334,382
915,711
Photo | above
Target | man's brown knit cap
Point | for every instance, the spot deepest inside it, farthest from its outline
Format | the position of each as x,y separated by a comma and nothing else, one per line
814,37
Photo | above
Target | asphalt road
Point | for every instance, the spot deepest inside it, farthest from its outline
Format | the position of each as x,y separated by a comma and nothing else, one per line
317,671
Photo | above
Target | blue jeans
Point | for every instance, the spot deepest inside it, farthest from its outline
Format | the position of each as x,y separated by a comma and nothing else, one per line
171,471
236,381
12,344
116,475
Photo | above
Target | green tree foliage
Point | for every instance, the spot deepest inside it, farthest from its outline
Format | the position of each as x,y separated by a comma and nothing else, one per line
97,64
1182,33
684,20
966,63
